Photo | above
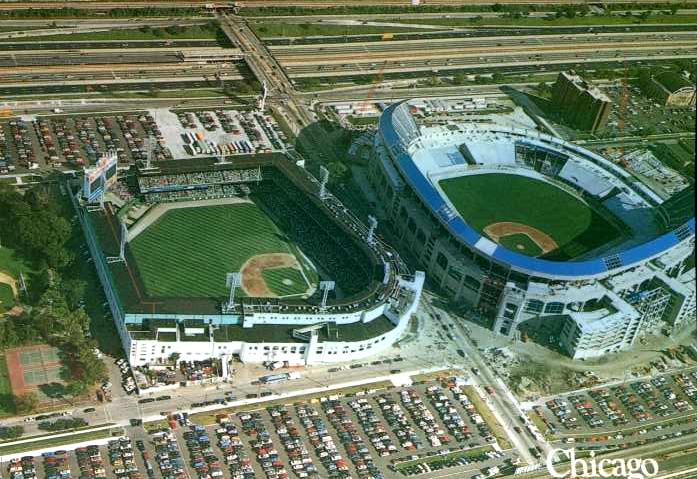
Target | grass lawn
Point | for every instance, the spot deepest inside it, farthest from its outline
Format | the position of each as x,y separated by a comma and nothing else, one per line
363,120
521,243
453,456
553,22
682,459
285,281
207,418
539,423
176,93
487,415
281,29
485,199
22,28
187,252
10,263
6,405
55,442
7,299
190,32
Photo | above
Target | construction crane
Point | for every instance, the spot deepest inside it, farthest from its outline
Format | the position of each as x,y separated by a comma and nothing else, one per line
376,83
624,94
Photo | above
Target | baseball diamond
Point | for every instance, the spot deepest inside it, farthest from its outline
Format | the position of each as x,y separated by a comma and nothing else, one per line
188,251
491,203
516,225
164,265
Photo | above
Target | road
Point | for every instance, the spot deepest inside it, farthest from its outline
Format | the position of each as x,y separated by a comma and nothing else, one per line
507,412
281,93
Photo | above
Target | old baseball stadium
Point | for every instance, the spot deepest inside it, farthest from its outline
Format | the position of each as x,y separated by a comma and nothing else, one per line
251,259
534,235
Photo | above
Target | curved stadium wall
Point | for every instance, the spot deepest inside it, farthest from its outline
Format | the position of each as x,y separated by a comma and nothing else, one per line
596,303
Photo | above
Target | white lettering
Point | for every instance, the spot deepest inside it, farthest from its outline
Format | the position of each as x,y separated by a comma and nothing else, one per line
550,462
632,468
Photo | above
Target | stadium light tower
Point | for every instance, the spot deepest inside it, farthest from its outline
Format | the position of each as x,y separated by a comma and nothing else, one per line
121,258
150,143
372,226
325,287
323,179
261,102
232,281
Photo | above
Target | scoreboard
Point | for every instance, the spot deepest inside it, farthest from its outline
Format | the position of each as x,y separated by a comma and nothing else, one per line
100,176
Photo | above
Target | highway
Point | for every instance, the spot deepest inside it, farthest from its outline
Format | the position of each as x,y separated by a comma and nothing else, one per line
266,68
31,46
479,31
303,61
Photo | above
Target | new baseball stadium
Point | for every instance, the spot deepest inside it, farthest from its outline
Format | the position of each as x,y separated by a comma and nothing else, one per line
534,235
252,259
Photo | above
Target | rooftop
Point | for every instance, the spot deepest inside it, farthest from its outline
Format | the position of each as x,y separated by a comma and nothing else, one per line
582,84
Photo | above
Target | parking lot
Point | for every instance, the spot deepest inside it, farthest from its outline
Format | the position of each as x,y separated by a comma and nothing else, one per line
392,432
62,141
190,134
624,415
74,141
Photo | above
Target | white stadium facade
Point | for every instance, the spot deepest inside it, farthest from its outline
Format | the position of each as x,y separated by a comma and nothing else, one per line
253,330
596,303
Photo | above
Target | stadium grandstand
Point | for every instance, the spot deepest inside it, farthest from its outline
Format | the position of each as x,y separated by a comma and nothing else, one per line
244,259
534,235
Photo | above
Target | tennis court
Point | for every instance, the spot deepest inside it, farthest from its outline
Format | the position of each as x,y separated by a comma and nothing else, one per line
29,367
36,357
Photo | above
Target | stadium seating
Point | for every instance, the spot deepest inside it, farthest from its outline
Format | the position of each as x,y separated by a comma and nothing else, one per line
330,248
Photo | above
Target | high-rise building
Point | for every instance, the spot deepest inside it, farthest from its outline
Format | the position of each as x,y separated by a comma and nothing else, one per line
581,104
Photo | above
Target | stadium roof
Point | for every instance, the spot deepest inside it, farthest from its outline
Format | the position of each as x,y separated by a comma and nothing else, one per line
398,129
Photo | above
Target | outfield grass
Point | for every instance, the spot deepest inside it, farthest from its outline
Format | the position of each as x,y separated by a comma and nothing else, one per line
10,263
486,199
187,252
285,281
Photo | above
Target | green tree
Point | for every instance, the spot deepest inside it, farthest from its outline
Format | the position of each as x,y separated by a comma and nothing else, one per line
338,172
459,78
11,432
73,290
26,403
